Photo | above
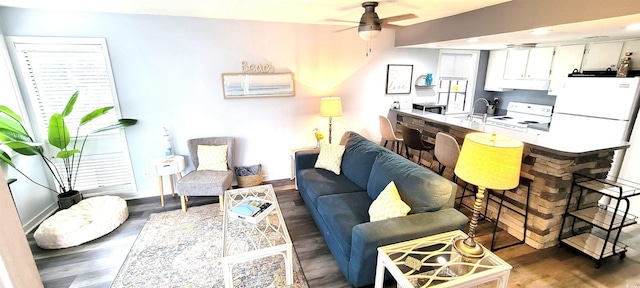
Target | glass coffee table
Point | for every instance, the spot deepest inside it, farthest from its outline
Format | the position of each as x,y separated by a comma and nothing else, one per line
244,241
433,262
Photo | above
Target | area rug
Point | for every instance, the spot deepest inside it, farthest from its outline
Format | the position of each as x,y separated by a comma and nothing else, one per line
178,249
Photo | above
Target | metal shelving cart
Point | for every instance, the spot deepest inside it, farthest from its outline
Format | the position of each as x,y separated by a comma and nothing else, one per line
595,229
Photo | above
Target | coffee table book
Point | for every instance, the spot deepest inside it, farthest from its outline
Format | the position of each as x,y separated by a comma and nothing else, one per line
252,210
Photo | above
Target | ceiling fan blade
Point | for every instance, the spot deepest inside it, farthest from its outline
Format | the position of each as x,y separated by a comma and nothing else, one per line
339,20
398,18
345,29
389,26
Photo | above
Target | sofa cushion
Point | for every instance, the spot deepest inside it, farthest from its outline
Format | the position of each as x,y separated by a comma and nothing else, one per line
319,182
330,158
341,212
422,189
358,158
388,205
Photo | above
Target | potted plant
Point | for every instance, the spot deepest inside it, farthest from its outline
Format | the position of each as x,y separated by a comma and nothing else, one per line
15,136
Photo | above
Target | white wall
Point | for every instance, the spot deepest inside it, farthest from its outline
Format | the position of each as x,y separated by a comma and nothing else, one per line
167,72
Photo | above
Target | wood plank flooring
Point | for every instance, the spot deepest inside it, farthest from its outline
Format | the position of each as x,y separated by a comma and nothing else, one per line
95,264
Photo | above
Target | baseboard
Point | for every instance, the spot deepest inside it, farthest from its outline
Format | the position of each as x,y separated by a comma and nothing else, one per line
35,221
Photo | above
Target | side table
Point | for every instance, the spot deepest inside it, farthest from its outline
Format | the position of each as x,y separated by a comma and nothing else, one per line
433,262
168,167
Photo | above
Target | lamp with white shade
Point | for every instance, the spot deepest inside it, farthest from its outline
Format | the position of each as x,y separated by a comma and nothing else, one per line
330,107
488,161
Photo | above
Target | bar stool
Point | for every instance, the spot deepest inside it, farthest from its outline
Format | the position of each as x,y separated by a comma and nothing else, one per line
413,139
446,152
500,195
386,130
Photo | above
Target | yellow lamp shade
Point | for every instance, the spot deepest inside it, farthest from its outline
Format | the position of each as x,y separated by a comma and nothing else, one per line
330,107
491,161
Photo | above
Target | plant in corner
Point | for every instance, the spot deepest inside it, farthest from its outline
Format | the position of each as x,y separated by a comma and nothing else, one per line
15,136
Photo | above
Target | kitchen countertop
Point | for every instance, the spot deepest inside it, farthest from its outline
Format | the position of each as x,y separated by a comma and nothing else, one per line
563,144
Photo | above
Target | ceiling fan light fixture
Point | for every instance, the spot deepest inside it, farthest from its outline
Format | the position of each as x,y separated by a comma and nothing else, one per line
370,26
368,32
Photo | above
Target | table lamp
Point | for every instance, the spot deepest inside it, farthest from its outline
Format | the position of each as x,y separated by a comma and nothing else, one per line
330,107
487,161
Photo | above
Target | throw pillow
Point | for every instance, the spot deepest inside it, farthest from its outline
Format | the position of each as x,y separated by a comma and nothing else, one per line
388,204
330,158
212,157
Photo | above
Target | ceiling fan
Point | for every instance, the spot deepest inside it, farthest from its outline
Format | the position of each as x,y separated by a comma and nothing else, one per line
370,24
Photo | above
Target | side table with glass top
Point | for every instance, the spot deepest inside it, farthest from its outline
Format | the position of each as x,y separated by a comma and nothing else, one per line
244,241
433,262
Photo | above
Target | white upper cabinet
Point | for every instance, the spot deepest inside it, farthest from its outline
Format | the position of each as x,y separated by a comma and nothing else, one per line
539,63
601,56
531,64
566,59
495,71
516,64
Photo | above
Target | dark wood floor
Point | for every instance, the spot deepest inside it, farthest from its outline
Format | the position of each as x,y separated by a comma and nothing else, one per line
95,264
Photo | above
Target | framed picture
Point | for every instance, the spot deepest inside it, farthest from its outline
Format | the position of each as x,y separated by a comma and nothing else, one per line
399,79
248,85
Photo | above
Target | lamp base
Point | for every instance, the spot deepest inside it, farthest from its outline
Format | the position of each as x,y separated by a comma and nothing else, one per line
468,247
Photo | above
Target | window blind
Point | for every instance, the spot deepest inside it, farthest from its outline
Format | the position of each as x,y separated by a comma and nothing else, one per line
52,72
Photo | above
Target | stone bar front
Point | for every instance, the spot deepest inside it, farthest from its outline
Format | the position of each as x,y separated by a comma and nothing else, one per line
551,171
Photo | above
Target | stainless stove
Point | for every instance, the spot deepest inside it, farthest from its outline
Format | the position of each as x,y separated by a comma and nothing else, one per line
520,115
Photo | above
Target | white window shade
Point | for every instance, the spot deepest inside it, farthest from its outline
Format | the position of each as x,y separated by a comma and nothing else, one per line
52,70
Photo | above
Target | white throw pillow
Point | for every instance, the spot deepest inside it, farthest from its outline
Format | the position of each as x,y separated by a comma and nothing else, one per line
212,157
330,158
388,204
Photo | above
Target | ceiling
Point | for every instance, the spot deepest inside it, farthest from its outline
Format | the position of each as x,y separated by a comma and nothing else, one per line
322,11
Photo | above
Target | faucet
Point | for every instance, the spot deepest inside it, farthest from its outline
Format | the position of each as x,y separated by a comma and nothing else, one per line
473,108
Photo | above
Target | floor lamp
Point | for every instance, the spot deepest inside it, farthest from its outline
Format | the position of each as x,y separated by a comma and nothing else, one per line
330,107
488,161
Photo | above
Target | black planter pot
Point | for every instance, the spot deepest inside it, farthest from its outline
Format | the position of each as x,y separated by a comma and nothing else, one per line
68,199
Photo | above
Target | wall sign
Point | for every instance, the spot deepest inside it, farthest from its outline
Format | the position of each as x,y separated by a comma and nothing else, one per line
257,68
399,79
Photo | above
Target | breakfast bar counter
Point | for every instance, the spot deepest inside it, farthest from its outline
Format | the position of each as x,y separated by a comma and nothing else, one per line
550,161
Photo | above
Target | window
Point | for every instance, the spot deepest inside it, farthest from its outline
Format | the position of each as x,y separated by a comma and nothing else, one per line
52,69
457,79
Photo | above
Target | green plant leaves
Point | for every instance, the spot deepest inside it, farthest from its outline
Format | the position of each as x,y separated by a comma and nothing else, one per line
6,159
58,132
67,153
118,124
94,114
23,148
69,107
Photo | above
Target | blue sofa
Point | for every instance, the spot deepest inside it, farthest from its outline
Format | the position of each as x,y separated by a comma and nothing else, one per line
339,203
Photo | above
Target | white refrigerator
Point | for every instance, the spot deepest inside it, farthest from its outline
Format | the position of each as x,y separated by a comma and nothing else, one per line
603,107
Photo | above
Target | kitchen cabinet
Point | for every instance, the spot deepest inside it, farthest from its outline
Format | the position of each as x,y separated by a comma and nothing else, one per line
602,56
594,230
494,80
529,64
565,60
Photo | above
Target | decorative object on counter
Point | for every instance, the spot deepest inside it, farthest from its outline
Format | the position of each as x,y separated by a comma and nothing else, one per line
625,63
491,109
330,107
487,161
168,150
399,78
428,80
318,136
395,105
16,137
249,176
